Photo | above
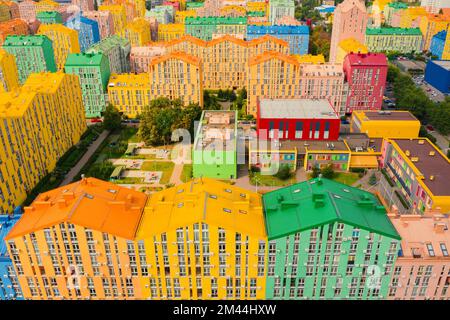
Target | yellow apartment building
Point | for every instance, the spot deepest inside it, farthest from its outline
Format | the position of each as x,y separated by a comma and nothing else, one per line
257,6
410,18
349,45
39,123
204,240
47,5
137,32
170,31
432,24
180,16
9,77
118,14
64,41
446,52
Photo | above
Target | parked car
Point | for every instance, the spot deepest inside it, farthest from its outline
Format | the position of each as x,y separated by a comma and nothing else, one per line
430,128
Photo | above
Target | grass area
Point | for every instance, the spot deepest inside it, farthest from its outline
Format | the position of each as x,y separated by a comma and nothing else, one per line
186,174
151,189
129,180
348,178
267,180
165,166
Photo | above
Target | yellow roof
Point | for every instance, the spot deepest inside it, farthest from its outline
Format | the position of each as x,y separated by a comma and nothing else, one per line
363,161
353,45
203,200
309,58
91,203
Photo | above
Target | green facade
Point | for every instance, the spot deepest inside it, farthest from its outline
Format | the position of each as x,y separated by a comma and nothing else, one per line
205,27
328,241
214,162
33,53
93,72
117,50
49,17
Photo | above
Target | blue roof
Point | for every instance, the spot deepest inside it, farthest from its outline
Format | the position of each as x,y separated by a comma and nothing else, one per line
252,29
6,223
442,35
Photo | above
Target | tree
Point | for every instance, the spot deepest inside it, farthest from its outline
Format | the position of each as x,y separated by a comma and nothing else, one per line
210,101
112,118
373,179
315,172
101,170
284,172
328,172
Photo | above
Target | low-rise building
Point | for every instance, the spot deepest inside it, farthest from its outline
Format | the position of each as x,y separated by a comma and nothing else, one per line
403,40
437,74
214,152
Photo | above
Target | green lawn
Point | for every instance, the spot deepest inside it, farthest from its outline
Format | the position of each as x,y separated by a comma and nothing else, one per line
348,178
129,180
165,166
186,174
267,180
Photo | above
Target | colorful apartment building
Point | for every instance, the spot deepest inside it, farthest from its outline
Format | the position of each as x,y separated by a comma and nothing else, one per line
204,27
214,153
306,81
296,119
13,9
408,18
170,31
403,40
296,36
87,29
349,21
232,11
118,16
33,54
366,78
432,24
280,8
446,52
104,20
422,269
49,17
40,122
434,6
9,78
392,8
27,10
137,32
64,41
9,283
12,27
180,16
84,5
438,43
117,50
347,252
93,72
385,124
141,57
419,170
321,154
47,5
348,46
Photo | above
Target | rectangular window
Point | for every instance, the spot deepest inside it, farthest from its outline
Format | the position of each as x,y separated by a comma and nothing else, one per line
298,130
444,249
430,250
326,133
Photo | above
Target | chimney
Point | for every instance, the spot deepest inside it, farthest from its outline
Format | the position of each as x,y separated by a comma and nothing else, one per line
62,203
42,204
68,196
83,179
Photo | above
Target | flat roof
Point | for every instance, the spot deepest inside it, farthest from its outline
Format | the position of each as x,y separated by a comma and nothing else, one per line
435,165
296,109
217,131
300,145
389,115
442,63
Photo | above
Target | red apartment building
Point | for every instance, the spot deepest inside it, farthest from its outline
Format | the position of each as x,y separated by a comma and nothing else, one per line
297,119
366,77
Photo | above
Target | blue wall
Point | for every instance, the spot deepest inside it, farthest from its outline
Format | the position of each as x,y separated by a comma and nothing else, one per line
437,44
438,76
9,284
88,31
296,36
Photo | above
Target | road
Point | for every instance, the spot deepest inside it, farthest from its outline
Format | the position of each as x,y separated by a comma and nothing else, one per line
90,151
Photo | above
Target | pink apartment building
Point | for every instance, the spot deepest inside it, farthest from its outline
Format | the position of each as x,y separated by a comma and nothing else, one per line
349,21
422,270
140,57
27,10
366,78
104,20
84,5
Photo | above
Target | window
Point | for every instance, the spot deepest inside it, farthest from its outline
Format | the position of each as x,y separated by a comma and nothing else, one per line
298,130
430,250
444,249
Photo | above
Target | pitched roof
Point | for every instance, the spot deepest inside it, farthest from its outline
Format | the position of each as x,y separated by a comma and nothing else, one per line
316,202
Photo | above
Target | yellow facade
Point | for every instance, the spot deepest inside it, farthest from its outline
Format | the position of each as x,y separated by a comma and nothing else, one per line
175,75
446,52
139,6
204,240
9,77
260,6
430,25
39,123
137,32
232,11
118,14
64,41
5,15
180,16
347,46
170,31
410,17
310,58
46,5
397,127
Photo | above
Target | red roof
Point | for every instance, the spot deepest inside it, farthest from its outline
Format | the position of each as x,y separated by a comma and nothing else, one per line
367,59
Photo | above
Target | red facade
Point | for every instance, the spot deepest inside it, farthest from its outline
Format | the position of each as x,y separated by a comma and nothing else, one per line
366,77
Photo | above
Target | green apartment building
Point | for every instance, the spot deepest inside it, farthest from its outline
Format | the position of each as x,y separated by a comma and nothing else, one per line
215,151
328,241
49,17
33,53
93,71
205,27
117,50
404,40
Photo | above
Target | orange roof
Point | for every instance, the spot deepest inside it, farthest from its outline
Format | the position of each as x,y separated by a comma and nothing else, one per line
273,55
91,203
177,55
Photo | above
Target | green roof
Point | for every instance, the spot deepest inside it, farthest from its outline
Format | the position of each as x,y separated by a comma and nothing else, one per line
84,59
256,14
190,5
398,5
107,43
48,14
215,20
320,201
394,31
28,40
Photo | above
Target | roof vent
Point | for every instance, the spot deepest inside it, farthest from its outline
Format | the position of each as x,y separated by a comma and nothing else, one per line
431,178
421,141
432,153
407,153
414,159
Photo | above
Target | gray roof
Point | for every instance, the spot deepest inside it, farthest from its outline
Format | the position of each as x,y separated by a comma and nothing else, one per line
443,63
296,109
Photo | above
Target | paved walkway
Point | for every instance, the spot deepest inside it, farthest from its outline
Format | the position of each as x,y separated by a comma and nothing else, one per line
81,163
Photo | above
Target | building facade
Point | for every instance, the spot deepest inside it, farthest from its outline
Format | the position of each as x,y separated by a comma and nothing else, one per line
438,43
87,29
141,57
170,31
280,8
104,20
33,54
13,27
27,10
204,27
117,50
118,16
403,40
93,72
432,24
9,77
49,17
137,32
